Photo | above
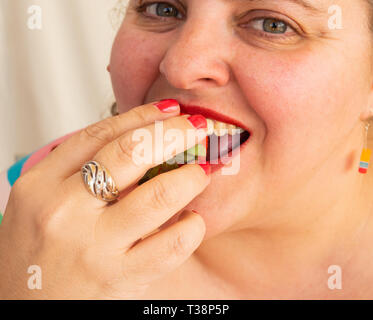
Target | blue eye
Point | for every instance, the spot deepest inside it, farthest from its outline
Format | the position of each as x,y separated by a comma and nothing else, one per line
160,9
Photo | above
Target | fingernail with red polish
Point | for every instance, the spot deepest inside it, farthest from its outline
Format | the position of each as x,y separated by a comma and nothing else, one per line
168,105
198,121
206,167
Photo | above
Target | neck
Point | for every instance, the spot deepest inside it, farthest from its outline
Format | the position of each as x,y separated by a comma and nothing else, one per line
312,237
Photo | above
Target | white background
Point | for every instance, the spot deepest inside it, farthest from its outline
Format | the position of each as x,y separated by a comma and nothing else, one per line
52,81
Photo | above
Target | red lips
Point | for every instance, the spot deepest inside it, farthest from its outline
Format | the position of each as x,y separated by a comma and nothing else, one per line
211,114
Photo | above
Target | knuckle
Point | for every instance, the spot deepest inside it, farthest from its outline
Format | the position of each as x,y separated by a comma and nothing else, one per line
46,222
140,114
179,245
19,186
103,132
162,196
126,147
25,183
28,205
50,220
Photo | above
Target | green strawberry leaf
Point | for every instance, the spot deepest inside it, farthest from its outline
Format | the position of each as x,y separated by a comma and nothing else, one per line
198,150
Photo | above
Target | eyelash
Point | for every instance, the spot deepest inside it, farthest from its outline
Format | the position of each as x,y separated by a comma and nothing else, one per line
141,8
270,35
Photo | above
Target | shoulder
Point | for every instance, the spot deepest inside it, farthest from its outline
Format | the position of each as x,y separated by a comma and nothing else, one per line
9,176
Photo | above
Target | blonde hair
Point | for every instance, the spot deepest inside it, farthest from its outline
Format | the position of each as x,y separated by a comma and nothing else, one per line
118,13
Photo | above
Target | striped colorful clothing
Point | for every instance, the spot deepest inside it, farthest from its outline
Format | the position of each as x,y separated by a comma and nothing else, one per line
9,176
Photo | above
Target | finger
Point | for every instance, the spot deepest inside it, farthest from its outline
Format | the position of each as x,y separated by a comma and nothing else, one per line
119,156
162,252
69,157
127,162
151,205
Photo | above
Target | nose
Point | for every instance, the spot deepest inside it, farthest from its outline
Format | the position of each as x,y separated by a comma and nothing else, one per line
198,55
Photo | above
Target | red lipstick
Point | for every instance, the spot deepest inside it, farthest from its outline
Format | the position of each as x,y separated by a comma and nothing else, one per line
214,144
211,114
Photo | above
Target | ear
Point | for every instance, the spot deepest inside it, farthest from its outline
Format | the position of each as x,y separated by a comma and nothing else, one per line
367,113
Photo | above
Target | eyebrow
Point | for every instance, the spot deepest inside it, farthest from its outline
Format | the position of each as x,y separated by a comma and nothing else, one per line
303,3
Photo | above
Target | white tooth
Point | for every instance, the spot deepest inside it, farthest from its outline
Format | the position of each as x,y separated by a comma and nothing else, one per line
220,128
237,130
219,132
210,127
231,129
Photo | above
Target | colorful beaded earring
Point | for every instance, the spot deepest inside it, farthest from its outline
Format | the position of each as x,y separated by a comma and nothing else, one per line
365,154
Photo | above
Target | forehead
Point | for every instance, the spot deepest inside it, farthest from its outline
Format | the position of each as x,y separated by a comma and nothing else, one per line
314,7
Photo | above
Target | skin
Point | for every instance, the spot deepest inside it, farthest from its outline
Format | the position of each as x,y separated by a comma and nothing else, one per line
92,258
298,202
297,206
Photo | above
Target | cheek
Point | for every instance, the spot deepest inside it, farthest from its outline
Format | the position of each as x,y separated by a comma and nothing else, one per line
134,65
305,100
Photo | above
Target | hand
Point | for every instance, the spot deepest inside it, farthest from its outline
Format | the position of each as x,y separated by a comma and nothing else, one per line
86,248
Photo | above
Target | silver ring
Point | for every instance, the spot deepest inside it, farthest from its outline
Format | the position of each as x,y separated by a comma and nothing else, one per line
99,182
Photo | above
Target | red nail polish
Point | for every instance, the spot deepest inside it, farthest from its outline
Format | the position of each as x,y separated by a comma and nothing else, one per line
198,121
168,105
206,167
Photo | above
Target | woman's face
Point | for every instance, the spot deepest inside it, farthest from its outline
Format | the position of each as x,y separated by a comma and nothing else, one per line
278,67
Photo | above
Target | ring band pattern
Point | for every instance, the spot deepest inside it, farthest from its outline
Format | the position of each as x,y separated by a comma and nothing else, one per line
99,182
